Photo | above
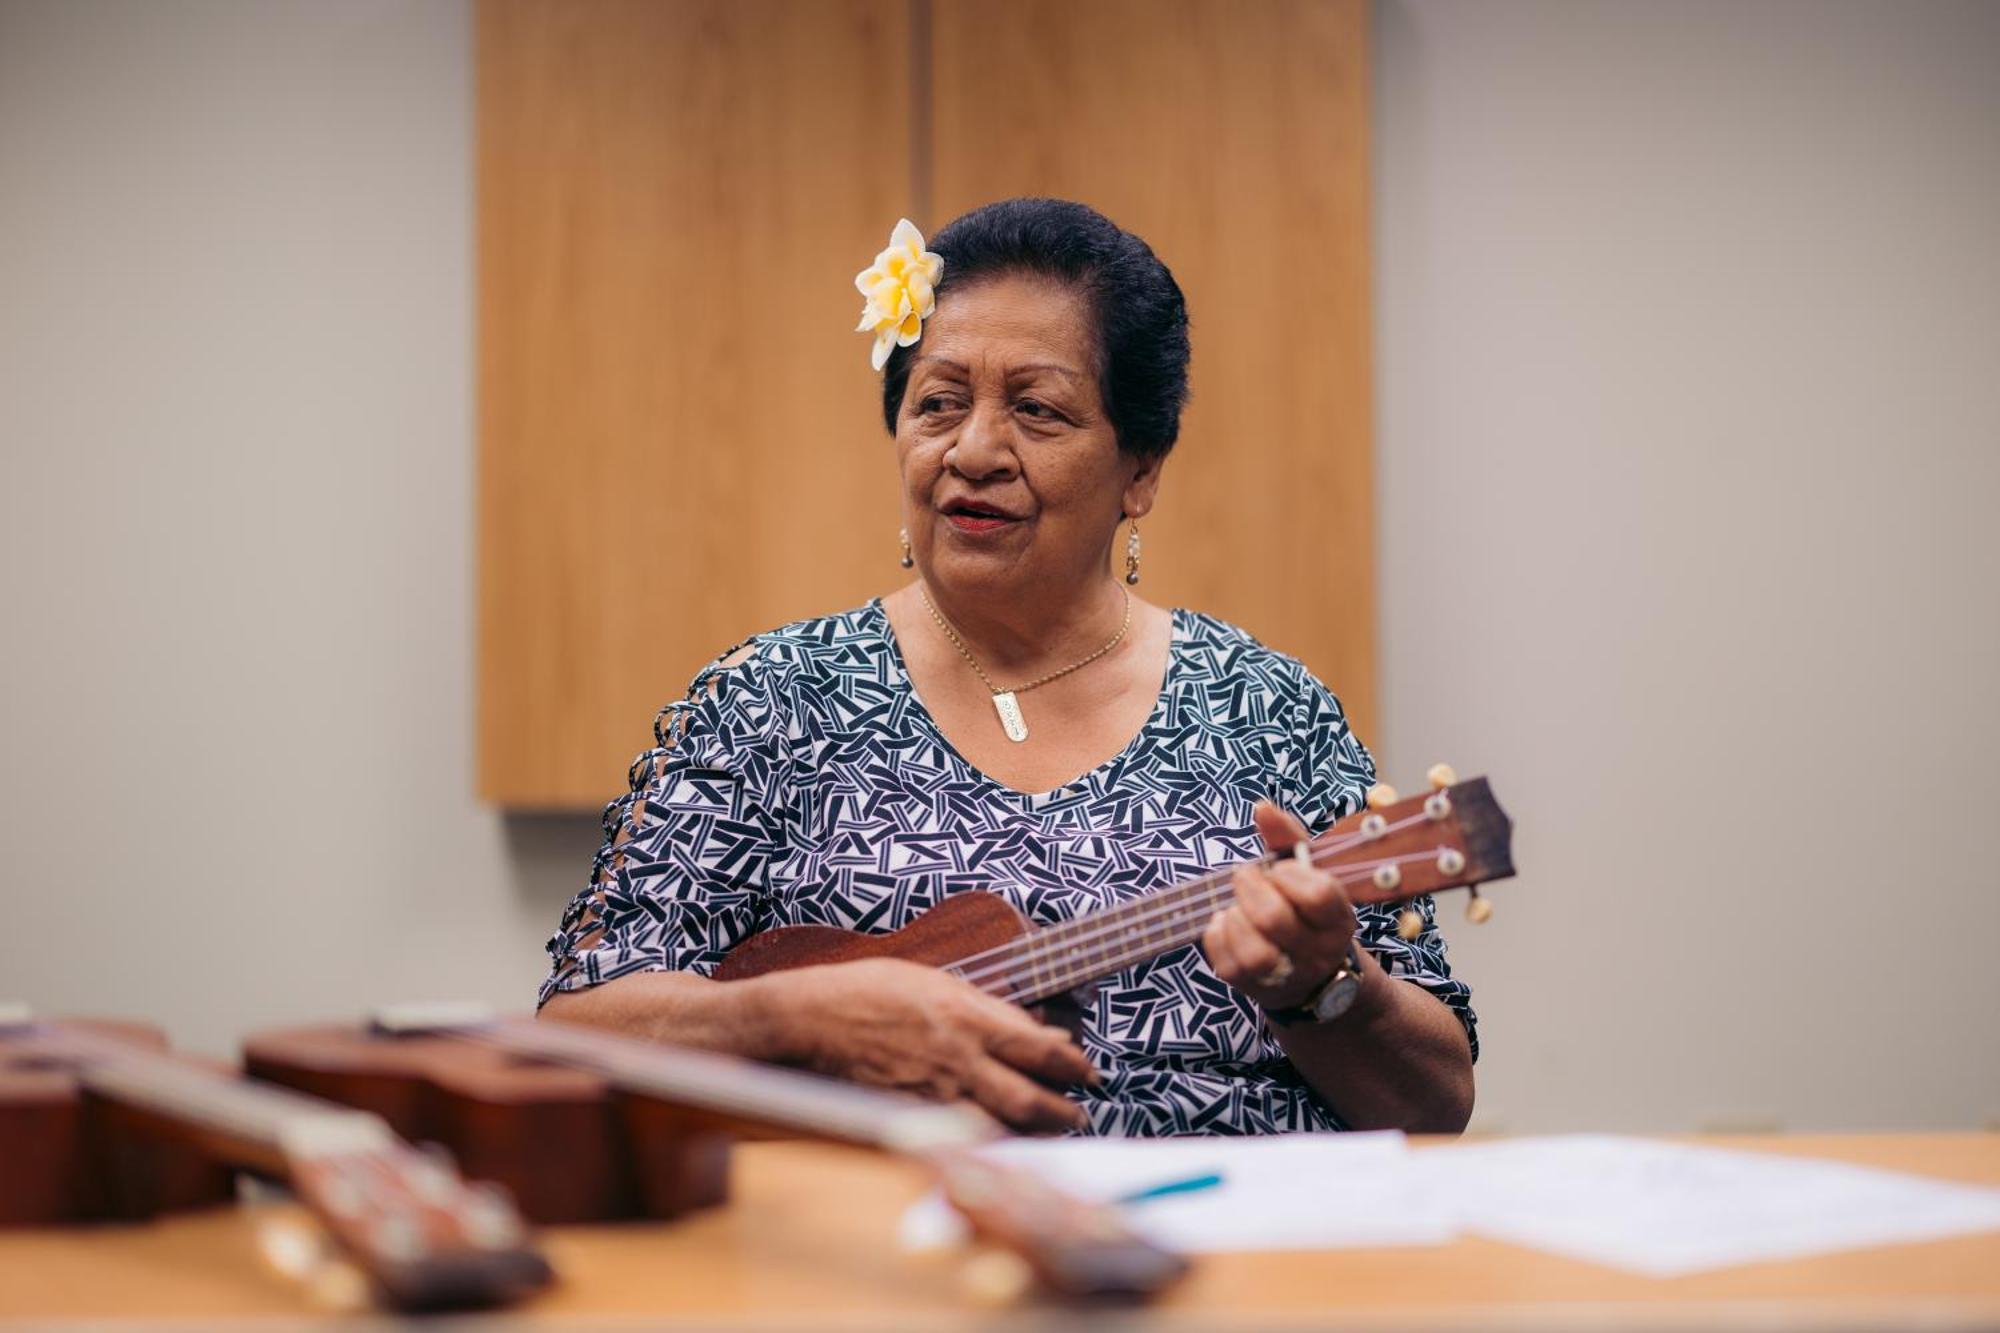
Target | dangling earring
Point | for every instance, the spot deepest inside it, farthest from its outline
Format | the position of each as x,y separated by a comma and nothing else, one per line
1132,554
907,559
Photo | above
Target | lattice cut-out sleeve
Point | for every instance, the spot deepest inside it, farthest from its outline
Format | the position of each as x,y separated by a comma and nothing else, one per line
1328,777
681,877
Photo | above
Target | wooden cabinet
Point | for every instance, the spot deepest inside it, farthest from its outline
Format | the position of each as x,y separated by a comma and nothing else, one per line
680,441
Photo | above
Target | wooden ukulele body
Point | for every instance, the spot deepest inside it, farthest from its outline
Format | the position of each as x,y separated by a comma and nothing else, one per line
964,924
567,1145
68,1155
968,922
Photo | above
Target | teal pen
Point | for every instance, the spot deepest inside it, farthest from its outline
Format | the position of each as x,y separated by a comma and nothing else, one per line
1187,1186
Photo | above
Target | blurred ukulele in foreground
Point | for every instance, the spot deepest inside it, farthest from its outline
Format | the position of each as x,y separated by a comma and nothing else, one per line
98,1121
585,1125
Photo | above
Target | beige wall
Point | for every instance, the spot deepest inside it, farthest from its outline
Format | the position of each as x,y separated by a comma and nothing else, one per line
1689,368
235,400
1688,316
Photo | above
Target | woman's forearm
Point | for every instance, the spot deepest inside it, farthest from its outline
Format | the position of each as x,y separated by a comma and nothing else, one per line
878,1021
1399,1059
736,1017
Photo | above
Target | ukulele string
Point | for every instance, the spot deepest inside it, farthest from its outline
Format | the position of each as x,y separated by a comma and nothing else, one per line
163,1082
1030,955
1122,918
1034,979
1121,915
1213,893
1161,920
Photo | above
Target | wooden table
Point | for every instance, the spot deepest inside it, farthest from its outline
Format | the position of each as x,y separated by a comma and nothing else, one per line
809,1242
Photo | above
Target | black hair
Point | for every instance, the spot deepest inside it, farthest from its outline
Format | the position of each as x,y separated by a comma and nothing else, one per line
1141,316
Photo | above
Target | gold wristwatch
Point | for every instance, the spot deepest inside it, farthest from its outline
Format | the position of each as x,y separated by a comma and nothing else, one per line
1334,997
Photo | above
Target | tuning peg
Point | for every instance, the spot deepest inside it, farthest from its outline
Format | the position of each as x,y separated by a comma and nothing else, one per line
1477,909
1409,924
1441,776
1381,796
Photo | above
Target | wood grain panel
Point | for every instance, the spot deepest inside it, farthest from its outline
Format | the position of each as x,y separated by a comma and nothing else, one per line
678,437
1234,138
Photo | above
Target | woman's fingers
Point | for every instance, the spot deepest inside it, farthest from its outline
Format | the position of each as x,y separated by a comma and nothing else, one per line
1289,923
1268,909
1019,1101
1238,953
1316,896
1216,948
1044,1051
1300,912
1278,828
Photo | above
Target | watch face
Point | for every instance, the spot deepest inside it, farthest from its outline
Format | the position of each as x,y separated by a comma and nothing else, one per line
1337,998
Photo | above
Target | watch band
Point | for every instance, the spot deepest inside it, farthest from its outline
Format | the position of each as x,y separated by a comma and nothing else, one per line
1334,997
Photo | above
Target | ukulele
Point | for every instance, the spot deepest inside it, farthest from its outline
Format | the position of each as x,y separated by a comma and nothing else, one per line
1395,850
98,1121
585,1125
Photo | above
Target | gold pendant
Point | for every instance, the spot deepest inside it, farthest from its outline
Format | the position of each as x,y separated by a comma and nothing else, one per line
1011,721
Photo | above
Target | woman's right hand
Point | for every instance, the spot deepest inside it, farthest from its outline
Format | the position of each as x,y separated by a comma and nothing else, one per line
895,1024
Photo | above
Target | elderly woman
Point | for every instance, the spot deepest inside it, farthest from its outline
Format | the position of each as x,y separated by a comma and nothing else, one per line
1015,719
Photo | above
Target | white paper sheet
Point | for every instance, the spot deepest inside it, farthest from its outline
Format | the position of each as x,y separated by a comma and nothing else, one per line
1668,1209
1286,1191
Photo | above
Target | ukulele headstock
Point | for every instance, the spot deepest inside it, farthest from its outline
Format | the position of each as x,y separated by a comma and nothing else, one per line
1077,1249
425,1237
1454,836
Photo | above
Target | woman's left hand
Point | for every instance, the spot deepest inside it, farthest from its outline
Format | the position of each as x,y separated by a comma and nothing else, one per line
1290,926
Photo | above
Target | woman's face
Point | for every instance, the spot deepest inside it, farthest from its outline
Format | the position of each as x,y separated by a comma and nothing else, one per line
1013,481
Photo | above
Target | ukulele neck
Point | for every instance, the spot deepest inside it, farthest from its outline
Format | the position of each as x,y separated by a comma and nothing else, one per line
253,1125
1078,1249
1456,836
1057,959
734,1090
424,1238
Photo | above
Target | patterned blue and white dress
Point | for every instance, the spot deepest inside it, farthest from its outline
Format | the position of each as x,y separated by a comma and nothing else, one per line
807,784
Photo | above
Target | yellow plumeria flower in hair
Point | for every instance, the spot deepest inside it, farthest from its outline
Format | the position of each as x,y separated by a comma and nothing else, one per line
900,287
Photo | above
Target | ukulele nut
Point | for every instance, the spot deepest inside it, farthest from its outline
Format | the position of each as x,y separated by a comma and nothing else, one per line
1381,796
1388,877
1451,861
1437,805
1442,776
1373,826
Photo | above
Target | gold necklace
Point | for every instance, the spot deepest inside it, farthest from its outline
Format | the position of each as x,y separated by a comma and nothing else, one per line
1004,701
